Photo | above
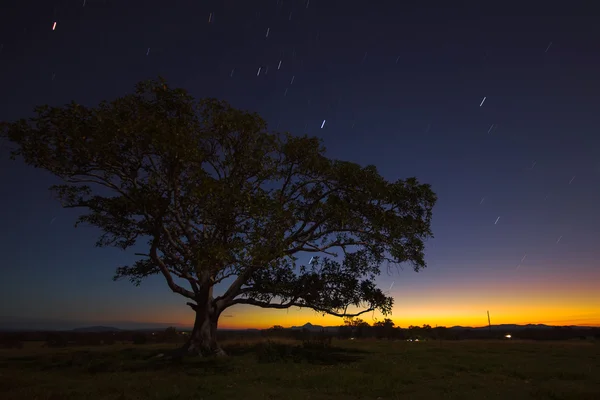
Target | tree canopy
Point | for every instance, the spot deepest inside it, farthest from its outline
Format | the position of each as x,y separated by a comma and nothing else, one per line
217,197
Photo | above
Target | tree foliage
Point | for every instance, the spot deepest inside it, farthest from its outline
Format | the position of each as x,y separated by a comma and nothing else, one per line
386,323
216,197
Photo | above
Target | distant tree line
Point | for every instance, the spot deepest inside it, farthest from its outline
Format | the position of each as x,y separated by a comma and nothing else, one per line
353,328
356,328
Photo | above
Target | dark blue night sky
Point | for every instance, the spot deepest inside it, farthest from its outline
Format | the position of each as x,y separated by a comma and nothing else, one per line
517,224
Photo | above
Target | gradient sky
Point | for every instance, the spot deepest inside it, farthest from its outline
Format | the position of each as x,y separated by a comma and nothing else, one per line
399,86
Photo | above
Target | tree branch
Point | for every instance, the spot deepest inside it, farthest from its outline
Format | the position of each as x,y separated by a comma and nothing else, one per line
183,226
293,303
315,249
165,271
176,243
235,287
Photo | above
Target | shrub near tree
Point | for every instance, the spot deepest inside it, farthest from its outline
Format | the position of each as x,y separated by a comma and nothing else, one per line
139,338
276,331
56,339
215,196
170,335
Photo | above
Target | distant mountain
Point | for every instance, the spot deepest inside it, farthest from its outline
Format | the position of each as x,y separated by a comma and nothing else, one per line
97,329
26,324
501,327
308,326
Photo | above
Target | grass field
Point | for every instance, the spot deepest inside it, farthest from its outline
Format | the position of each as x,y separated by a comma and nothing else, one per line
349,370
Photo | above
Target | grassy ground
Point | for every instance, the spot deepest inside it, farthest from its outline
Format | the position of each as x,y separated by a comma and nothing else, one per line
350,370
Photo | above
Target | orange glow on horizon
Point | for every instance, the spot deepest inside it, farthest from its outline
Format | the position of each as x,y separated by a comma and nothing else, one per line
556,297
449,315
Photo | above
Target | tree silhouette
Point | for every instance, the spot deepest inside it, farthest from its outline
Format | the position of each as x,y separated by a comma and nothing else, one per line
219,199
355,322
357,325
170,334
386,323
384,328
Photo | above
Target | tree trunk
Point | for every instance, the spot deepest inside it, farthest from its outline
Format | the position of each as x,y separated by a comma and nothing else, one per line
203,340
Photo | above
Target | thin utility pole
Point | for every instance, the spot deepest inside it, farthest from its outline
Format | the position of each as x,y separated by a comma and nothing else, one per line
489,323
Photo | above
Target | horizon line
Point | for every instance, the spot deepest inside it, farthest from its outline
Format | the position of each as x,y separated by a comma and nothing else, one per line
147,326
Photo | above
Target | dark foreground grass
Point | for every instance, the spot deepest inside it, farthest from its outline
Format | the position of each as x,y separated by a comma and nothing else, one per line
349,370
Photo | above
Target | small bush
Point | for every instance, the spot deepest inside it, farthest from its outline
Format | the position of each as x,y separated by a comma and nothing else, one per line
109,340
317,342
271,351
56,340
139,338
170,335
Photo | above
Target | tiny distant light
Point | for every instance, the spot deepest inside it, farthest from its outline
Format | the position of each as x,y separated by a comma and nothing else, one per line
54,26
508,336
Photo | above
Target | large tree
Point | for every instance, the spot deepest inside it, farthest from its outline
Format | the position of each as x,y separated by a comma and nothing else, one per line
219,199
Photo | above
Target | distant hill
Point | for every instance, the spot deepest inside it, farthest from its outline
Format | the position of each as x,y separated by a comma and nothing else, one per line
26,324
97,329
23,324
501,327
512,327
316,328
